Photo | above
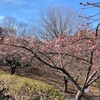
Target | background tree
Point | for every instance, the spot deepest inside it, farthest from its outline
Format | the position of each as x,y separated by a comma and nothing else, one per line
8,25
11,30
58,21
25,29
14,57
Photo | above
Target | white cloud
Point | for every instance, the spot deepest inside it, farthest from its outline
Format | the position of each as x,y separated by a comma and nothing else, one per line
1,17
18,2
26,11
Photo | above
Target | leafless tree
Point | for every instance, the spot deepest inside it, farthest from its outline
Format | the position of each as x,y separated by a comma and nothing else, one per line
96,16
8,24
25,29
58,20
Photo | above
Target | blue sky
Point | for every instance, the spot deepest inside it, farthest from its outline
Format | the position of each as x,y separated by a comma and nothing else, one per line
29,9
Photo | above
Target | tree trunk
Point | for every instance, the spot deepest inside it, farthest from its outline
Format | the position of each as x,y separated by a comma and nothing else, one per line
79,95
13,68
77,78
66,83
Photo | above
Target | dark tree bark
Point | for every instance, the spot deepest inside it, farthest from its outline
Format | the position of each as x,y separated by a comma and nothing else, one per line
66,83
77,78
12,66
13,69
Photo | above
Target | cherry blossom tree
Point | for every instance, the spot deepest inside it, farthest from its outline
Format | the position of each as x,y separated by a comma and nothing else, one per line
72,55
14,57
92,18
11,30
57,21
